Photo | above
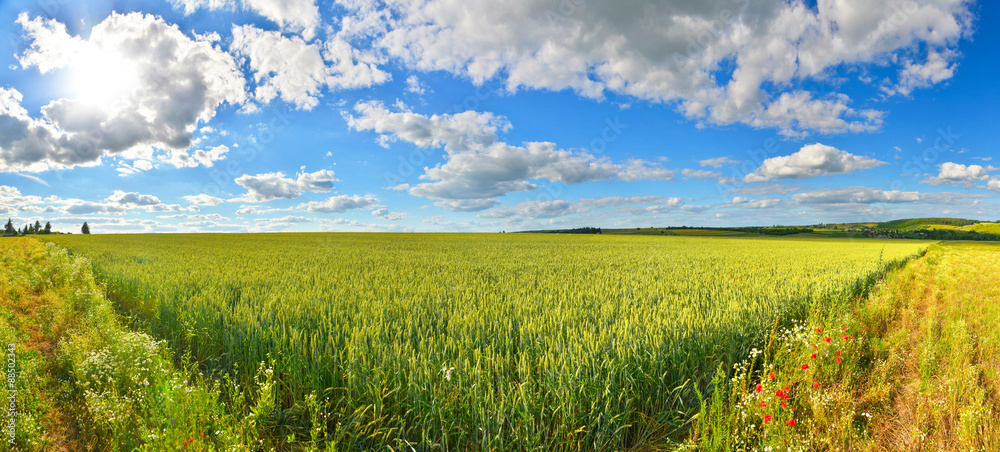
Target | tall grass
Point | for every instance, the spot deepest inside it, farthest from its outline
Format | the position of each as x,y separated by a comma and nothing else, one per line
464,342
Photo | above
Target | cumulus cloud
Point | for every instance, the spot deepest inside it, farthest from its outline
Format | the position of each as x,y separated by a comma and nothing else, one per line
340,204
993,185
812,160
677,52
957,173
479,167
270,186
700,174
150,85
203,200
544,209
865,195
183,159
718,162
132,199
415,86
300,16
938,67
297,71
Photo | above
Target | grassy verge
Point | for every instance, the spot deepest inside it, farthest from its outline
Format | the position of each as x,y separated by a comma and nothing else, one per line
912,366
76,379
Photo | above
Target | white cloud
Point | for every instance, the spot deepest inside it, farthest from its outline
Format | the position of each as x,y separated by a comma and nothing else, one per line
543,210
385,214
182,159
938,67
300,16
284,219
993,185
479,167
700,174
812,160
297,71
90,208
340,204
413,85
203,200
674,51
718,162
957,173
270,186
132,199
865,195
129,97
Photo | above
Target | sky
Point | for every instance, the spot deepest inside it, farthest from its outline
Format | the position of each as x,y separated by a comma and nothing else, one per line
477,115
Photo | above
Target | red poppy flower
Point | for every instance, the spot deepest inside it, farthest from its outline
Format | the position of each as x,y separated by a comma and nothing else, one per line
788,388
790,423
838,352
780,393
759,388
767,419
855,314
783,404
773,375
827,339
762,404
838,360
847,338
805,366
203,435
813,356
815,385
843,328
819,330
190,439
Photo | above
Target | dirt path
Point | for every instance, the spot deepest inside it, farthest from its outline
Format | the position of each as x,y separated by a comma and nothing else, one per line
34,325
943,354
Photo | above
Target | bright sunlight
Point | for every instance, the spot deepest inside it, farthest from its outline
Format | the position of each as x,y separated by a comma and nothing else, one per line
103,79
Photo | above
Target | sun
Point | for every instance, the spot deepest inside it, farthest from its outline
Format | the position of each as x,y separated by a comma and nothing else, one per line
104,79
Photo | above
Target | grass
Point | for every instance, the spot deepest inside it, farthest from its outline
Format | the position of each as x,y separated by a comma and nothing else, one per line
502,341
914,224
918,369
85,382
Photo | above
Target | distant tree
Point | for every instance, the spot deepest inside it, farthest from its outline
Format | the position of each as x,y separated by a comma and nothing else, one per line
48,228
27,229
8,229
38,227
85,229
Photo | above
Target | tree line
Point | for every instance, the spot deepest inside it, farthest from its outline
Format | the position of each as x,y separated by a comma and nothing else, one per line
10,231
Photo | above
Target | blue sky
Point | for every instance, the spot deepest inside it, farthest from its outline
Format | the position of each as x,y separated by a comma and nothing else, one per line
450,115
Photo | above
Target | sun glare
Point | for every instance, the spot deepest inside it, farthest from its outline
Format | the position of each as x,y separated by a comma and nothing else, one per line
104,79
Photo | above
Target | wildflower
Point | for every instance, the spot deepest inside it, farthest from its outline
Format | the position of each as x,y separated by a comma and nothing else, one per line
773,375
763,404
805,366
838,352
759,388
790,423
780,394
843,328
827,340
819,330
813,356
838,360
190,440
767,419
203,434
815,385
855,314
783,404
